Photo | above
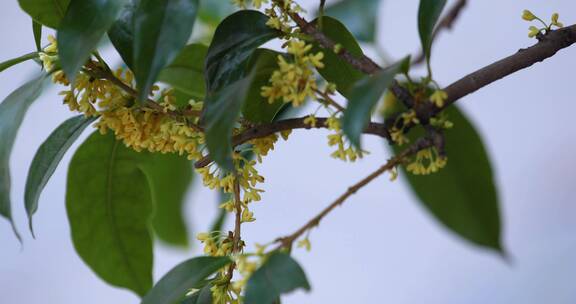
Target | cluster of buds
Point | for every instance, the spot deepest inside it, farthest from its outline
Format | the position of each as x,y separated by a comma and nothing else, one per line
534,31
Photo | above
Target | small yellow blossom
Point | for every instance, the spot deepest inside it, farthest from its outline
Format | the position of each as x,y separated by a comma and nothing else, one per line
438,98
305,243
533,31
528,16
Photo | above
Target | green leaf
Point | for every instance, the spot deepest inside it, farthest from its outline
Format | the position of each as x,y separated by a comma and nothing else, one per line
358,15
161,30
203,296
169,176
121,33
37,30
12,111
212,12
109,208
46,12
279,275
428,14
47,159
336,70
85,23
174,285
186,72
462,196
363,97
256,108
234,41
12,62
222,110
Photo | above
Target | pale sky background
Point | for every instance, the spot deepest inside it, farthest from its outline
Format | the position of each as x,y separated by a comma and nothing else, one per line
381,246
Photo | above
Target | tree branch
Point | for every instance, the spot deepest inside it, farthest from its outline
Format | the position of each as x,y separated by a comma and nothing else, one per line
423,143
268,129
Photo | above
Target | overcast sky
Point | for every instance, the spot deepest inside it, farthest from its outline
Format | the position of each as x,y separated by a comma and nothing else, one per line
380,247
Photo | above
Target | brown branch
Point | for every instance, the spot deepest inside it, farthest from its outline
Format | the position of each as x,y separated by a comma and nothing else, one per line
445,24
547,47
237,226
362,63
268,129
423,143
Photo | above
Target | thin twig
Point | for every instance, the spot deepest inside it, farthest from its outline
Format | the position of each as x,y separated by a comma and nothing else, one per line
423,143
329,100
236,238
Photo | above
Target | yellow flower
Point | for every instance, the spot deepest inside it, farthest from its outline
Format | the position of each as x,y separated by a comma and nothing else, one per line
311,121
305,243
528,16
533,31
438,98
555,22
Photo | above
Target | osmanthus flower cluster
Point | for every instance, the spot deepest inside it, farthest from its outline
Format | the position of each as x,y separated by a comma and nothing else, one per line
223,108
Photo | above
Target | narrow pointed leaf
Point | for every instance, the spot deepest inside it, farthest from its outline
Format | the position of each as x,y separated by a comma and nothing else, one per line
46,12
363,97
221,112
178,281
337,70
121,33
12,111
279,275
109,206
169,176
463,195
48,157
186,72
84,24
37,30
161,29
235,39
12,62
428,14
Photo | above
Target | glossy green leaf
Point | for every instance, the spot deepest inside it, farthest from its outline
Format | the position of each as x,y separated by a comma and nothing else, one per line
256,108
46,12
161,29
336,70
212,12
363,97
12,111
203,296
359,16
82,28
109,208
186,72
170,176
221,112
178,281
462,196
48,157
121,33
12,62
280,274
37,31
234,41
428,14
